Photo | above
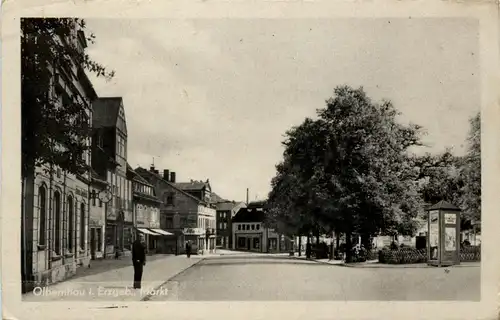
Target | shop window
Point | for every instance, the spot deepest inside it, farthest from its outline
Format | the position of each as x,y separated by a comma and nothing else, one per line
256,243
241,242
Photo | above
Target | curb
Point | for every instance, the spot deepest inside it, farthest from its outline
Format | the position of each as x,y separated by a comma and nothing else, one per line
148,297
378,266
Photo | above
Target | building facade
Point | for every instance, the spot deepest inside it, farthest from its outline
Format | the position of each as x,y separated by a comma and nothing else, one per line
188,215
59,239
226,210
97,221
146,212
110,129
251,234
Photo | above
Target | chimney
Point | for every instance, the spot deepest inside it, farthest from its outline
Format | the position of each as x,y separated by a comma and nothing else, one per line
166,174
172,177
247,196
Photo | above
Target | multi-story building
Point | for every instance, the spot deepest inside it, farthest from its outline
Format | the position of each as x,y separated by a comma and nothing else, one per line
146,211
225,212
97,221
187,212
110,129
251,234
58,242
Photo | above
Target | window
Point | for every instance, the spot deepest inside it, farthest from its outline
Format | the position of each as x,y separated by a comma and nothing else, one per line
170,199
82,225
248,227
70,223
100,203
57,222
241,242
99,239
239,227
256,243
253,227
42,217
94,196
258,226
224,226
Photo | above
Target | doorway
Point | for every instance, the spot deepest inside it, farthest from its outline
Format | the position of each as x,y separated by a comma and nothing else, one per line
92,243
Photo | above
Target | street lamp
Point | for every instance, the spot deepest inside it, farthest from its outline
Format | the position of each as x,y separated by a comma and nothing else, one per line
105,196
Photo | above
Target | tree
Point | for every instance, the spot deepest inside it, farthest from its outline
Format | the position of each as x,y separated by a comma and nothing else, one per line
55,128
471,172
54,132
352,167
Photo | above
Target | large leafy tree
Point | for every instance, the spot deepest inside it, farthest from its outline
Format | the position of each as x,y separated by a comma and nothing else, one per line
54,132
471,172
350,168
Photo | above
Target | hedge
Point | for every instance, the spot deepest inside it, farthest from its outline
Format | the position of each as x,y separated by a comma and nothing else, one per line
411,255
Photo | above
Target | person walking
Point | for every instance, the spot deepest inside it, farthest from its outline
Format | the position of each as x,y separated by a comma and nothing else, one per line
188,249
138,259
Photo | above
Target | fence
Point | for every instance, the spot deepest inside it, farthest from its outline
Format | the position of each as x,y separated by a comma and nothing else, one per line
412,255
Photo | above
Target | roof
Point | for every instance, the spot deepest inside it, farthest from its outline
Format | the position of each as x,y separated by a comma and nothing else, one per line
227,205
215,198
249,215
257,204
141,171
105,111
137,177
444,205
191,186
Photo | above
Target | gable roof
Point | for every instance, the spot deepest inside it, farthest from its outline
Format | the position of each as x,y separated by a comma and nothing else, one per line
249,215
229,205
190,186
137,177
105,111
215,198
144,172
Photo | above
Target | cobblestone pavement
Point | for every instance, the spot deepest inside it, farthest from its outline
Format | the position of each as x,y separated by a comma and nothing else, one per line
277,277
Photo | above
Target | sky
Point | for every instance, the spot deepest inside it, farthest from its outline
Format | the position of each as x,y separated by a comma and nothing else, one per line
212,98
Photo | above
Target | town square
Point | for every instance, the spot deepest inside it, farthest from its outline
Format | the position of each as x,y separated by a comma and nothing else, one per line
265,169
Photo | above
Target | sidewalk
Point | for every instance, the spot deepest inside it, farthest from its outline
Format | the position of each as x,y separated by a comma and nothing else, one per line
116,284
376,264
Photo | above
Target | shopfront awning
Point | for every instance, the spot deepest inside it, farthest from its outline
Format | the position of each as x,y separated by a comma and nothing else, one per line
146,231
162,232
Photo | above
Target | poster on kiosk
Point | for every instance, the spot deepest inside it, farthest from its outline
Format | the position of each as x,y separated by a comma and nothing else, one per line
443,247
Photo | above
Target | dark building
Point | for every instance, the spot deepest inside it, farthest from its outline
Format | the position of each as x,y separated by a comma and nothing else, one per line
225,212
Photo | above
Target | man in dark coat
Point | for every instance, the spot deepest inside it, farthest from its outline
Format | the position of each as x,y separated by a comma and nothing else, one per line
188,248
138,259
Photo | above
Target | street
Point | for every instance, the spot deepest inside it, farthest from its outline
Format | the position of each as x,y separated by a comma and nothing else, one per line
268,278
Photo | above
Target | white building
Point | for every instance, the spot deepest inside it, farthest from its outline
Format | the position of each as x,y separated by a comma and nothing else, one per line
250,234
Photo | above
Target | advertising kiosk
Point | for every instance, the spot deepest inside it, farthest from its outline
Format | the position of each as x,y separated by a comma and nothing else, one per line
443,240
